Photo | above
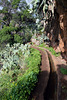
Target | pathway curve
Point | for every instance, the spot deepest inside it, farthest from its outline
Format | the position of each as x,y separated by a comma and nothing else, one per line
50,78
42,78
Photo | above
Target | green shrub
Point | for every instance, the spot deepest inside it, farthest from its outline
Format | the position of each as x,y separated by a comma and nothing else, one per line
53,51
11,34
63,71
42,45
6,33
14,57
50,49
22,87
17,38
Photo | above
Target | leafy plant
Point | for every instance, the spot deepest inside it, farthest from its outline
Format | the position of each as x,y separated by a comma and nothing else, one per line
50,49
19,86
11,57
63,71
6,33
18,38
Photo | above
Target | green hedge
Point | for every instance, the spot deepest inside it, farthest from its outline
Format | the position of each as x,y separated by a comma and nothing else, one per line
21,89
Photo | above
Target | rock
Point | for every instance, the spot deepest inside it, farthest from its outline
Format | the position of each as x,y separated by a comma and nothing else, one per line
58,31
63,27
33,41
37,43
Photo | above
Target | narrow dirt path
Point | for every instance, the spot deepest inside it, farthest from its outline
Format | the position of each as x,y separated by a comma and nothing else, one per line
38,93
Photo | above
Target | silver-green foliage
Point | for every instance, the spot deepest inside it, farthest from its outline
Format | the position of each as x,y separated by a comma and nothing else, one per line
14,56
41,40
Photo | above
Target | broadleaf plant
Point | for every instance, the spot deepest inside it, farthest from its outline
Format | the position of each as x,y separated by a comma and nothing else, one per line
14,56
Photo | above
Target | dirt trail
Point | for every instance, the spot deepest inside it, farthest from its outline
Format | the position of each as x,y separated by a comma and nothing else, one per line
38,93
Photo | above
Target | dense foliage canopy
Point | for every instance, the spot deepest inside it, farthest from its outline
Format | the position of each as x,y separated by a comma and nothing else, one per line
16,21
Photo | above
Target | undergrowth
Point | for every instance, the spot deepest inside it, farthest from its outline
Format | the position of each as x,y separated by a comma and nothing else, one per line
50,49
25,80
